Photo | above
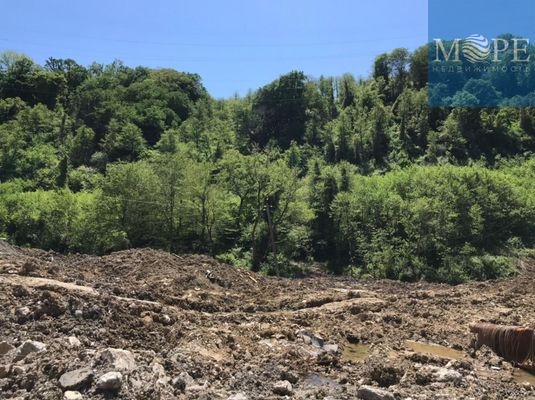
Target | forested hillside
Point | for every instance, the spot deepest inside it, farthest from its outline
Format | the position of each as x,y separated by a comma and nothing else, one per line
358,174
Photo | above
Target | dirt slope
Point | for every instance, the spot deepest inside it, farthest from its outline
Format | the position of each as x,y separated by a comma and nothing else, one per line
197,329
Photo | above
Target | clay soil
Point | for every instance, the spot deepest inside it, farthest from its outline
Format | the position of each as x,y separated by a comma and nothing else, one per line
199,329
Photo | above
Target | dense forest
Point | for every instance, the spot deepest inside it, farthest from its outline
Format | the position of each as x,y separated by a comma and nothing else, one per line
357,175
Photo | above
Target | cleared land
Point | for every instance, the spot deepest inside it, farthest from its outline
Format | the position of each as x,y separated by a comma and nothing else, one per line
198,329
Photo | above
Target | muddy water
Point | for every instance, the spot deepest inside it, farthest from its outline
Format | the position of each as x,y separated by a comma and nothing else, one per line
434,349
355,352
521,377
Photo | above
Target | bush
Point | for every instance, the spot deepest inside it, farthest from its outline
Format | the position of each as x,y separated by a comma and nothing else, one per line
279,265
439,223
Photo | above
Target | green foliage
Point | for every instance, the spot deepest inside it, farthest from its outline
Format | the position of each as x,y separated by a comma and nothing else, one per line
358,174
439,223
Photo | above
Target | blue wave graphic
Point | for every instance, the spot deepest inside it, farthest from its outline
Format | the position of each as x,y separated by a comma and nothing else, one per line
476,48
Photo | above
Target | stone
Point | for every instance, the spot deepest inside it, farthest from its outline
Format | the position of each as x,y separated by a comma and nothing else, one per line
111,381
197,388
238,396
182,381
78,313
4,370
331,348
283,388
119,359
51,304
289,376
158,371
72,395
431,373
23,314
76,379
366,392
311,338
29,346
18,370
5,348
165,319
73,341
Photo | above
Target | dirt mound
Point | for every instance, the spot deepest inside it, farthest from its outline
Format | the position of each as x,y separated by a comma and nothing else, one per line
8,250
189,327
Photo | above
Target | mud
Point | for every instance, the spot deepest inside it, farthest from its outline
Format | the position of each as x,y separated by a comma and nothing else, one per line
198,329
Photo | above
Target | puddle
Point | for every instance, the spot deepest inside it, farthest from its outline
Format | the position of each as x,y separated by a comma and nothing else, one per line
318,381
355,352
434,349
521,377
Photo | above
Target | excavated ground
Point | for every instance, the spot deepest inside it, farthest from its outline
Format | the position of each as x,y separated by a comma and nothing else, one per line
197,329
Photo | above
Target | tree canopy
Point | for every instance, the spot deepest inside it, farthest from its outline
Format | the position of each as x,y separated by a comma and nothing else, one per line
357,174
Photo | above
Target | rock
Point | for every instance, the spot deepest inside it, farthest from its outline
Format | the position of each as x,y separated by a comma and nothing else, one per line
331,348
27,380
111,381
165,319
4,370
182,381
76,379
18,370
28,347
179,384
384,373
290,377
23,314
72,395
372,393
20,291
5,348
197,388
311,338
73,341
78,313
51,304
238,396
447,375
158,371
430,373
283,388
460,365
121,360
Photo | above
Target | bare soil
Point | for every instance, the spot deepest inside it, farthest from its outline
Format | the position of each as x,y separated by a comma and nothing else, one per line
199,329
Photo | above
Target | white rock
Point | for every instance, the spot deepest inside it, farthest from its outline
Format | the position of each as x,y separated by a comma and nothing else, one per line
331,348
121,360
283,388
76,379
238,396
111,381
72,395
74,341
441,374
29,346
372,393
23,312
18,370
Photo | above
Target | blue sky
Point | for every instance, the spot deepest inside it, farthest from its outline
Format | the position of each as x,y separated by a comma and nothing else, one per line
450,19
235,45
